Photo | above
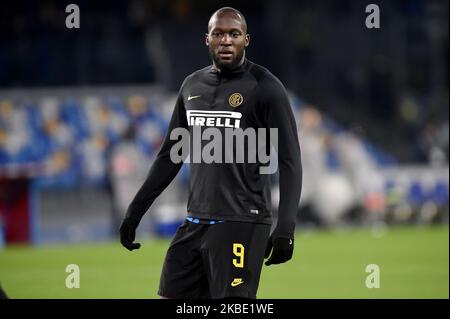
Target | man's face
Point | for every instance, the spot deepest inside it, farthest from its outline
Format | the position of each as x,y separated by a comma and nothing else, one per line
227,40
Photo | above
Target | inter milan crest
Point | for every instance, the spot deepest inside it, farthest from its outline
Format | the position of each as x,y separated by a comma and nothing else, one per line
235,99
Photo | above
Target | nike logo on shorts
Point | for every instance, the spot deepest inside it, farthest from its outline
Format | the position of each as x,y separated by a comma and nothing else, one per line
236,281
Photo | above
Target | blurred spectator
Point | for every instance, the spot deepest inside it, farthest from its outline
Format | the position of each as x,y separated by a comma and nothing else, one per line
126,171
433,142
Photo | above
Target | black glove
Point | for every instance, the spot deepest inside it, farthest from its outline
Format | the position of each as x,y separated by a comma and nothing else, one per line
128,234
281,252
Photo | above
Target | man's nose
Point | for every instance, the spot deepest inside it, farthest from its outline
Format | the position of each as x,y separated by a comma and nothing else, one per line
226,39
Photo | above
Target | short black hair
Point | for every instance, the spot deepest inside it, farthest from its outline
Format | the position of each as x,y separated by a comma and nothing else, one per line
225,10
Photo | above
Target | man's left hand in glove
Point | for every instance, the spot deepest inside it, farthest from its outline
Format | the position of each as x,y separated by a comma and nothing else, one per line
281,248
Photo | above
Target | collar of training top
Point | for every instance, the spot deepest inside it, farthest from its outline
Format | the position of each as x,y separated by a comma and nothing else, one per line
237,70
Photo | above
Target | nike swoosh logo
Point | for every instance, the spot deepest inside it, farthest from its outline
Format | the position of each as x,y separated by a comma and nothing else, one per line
236,282
193,97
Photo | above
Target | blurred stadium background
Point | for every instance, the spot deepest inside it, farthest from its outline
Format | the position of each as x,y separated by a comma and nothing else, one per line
83,112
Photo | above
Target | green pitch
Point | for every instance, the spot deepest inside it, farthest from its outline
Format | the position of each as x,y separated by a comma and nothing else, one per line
413,263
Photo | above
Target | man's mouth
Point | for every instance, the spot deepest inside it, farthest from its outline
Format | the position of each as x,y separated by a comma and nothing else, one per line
226,54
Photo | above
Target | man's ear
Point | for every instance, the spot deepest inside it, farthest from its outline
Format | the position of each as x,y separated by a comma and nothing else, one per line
206,39
247,40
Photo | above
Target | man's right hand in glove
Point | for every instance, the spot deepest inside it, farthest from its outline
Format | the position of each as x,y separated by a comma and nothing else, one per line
128,234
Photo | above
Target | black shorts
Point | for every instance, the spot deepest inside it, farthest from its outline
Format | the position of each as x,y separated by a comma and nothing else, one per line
214,261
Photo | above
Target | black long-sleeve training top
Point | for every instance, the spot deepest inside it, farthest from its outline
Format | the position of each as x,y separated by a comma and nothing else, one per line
249,96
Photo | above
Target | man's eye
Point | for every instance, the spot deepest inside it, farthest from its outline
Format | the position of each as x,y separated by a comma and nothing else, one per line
217,34
235,34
